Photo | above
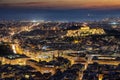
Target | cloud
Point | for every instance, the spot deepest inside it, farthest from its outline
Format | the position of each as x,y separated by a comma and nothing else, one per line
42,4
66,4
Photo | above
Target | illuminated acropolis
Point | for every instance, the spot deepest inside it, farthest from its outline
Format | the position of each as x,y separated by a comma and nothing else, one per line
85,31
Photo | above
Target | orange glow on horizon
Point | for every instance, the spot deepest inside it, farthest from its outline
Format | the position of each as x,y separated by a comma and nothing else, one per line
68,4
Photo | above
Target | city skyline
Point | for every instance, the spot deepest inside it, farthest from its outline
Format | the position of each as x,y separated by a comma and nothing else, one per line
59,40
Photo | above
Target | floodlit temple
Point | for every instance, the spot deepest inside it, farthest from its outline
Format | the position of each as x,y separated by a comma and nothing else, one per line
85,31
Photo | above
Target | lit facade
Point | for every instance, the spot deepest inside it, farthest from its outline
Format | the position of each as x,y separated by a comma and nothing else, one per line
85,31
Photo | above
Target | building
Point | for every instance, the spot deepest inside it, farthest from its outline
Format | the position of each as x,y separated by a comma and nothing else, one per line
85,31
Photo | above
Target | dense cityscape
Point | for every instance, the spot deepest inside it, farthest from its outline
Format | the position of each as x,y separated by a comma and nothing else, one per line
55,50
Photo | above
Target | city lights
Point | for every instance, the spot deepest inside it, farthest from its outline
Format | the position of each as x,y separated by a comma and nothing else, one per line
59,39
34,21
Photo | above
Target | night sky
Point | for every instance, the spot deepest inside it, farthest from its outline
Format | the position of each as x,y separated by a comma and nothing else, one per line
59,9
